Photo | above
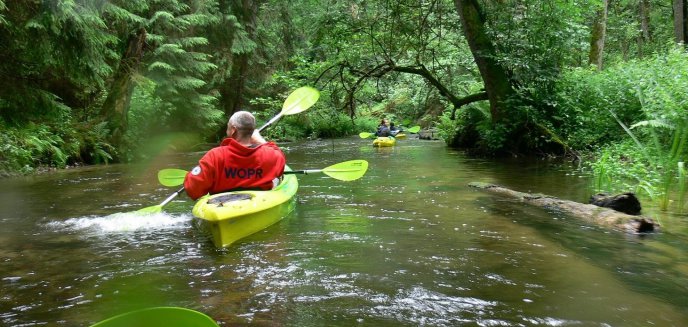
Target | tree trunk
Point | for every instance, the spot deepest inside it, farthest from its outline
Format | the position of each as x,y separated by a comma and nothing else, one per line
601,216
681,20
644,37
232,91
597,36
497,84
115,109
288,35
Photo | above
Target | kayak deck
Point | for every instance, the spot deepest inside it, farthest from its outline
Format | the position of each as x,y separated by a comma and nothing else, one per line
231,216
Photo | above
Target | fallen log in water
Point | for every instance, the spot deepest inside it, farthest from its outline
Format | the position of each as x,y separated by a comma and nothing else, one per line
602,216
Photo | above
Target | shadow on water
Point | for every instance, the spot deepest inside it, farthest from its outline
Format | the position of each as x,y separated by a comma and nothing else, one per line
407,245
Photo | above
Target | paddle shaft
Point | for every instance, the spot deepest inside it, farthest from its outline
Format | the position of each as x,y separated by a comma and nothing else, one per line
304,172
171,197
274,119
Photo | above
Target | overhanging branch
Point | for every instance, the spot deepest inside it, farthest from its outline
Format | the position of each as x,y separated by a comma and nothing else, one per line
456,101
381,69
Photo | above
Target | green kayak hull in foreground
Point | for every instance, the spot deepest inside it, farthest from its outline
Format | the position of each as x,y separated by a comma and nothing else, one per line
159,317
231,216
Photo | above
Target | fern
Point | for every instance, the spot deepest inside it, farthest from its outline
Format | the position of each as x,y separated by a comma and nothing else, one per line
189,42
656,123
162,66
3,7
164,16
242,43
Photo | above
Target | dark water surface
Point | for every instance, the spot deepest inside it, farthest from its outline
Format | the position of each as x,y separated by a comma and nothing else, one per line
409,244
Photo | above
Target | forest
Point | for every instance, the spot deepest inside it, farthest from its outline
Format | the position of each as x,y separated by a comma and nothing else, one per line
601,82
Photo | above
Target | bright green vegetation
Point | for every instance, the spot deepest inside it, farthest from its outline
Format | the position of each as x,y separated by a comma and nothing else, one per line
633,116
108,81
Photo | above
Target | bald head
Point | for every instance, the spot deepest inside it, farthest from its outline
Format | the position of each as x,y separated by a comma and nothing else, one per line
243,122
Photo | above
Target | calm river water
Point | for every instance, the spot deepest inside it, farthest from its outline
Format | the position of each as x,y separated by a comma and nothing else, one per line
409,244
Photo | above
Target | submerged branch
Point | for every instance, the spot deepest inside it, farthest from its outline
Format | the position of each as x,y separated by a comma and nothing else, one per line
601,216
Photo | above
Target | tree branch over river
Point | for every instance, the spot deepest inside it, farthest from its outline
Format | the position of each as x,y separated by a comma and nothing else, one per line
380,70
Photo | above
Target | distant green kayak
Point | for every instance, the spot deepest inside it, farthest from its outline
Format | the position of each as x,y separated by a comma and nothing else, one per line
159,317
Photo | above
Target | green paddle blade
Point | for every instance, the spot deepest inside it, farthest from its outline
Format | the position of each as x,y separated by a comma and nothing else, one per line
152,209
414,129
171,176
365,135
159,316
300,100
348,170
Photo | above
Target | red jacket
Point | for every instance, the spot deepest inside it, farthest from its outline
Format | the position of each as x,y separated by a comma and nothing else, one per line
232,165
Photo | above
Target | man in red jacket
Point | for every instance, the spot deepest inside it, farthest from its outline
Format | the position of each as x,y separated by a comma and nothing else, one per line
244,160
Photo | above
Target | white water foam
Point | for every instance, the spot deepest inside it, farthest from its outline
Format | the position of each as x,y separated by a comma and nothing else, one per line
123,222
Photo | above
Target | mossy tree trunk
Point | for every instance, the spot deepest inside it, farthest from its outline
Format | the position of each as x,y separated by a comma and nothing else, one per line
495,78
233,89
597,35
644,37
681,20
115,109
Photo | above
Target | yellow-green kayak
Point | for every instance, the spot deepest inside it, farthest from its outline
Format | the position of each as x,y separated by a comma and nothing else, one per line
384,141
231,216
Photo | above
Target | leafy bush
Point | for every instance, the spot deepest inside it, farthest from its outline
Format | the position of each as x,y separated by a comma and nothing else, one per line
24,149
642,105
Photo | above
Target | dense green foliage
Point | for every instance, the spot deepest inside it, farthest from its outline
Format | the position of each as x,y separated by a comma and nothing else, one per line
639,107
100,81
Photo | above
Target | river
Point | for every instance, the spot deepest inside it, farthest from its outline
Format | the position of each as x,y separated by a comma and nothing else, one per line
409,244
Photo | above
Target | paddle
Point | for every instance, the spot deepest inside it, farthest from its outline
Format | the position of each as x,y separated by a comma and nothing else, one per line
298,101
343,171
412,130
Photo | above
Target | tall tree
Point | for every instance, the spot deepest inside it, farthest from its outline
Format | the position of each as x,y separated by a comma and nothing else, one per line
160,44
115,109
54,58
497,84
644,18
243,46
598,34
681,21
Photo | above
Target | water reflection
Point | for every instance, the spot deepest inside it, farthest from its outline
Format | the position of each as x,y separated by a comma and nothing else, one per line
407,245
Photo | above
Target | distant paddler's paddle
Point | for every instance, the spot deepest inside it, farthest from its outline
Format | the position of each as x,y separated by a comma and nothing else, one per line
159,316
412,130
343,171
298,101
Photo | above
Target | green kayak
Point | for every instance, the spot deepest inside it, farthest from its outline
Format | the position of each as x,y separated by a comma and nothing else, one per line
159,317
